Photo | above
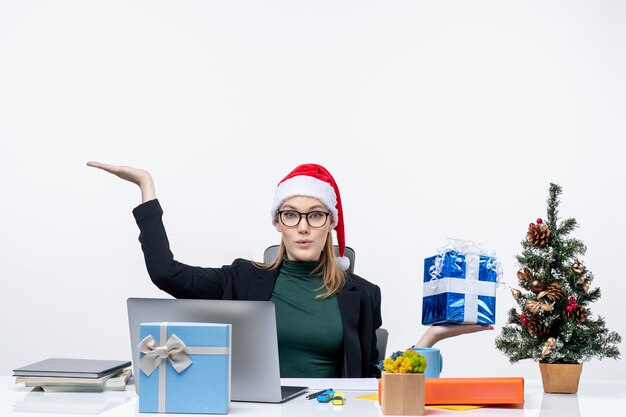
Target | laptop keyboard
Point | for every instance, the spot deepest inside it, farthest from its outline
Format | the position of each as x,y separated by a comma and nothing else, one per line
288,391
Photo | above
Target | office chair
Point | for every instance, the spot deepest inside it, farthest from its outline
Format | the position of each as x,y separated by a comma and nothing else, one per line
381,342
270,254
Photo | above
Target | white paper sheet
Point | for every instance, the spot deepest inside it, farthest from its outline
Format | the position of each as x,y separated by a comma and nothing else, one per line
338,384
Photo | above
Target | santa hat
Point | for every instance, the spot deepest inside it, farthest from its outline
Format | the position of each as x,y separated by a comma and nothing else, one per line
311,180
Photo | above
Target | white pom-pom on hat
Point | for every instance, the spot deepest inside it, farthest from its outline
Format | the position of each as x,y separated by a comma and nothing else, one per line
343,262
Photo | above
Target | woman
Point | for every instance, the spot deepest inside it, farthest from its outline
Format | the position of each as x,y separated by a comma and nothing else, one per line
326,317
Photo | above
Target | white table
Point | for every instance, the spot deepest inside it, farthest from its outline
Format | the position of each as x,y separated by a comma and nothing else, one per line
594,398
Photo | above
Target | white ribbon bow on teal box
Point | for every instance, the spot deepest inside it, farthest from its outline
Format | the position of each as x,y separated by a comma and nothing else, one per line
187,371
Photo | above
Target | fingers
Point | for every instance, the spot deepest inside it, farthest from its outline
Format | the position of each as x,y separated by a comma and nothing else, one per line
121,171
125,173
471,328
480,328
476,326
445,331
106,167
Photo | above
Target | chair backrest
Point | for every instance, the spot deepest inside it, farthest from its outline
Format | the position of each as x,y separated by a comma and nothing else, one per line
270,254
381,342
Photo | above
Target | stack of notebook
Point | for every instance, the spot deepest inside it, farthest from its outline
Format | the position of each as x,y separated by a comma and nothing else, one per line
89,375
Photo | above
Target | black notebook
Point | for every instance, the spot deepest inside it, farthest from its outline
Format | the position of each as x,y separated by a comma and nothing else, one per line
65,367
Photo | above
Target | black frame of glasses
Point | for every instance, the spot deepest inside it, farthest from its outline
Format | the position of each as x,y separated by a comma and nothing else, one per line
306,216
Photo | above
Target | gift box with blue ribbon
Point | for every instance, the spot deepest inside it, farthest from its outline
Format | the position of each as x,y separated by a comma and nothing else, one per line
460,286
184,368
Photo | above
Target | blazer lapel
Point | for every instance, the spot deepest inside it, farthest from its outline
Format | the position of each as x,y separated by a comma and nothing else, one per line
349,301
349,306
260,288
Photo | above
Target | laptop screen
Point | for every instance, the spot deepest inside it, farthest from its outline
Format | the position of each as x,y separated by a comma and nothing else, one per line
255,368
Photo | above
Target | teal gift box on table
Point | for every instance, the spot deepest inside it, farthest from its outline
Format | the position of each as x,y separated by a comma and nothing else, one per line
184,368
460,285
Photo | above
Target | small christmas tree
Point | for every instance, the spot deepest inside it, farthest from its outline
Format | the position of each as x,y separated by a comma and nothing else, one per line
554,323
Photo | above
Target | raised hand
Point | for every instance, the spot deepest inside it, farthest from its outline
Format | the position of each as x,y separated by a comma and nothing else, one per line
135,175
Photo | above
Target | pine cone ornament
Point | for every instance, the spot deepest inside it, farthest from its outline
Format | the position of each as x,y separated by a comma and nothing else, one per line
538,234
578,314
537,327
554,292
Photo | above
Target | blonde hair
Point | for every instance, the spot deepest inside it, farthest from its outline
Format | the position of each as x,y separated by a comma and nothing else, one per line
334,278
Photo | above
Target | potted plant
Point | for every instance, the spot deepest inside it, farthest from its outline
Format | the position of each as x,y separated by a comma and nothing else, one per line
402,384
553,324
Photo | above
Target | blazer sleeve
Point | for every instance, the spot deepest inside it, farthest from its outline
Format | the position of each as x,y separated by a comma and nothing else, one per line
175,278
377,322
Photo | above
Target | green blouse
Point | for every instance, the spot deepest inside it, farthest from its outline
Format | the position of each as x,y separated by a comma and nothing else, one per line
310,331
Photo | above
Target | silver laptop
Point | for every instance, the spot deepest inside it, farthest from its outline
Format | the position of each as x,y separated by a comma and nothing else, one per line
255,373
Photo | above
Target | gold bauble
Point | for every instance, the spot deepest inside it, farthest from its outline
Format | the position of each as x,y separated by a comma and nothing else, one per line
516,293
551,341
586,287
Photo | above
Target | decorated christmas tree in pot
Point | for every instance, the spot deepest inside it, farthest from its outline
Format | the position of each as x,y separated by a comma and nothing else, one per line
554,324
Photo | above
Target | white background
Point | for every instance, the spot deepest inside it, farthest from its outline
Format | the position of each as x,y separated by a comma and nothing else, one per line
437,118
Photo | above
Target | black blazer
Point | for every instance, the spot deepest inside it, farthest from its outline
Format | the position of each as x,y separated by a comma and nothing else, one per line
359,300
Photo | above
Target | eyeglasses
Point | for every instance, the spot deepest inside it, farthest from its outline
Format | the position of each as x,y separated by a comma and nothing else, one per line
292,218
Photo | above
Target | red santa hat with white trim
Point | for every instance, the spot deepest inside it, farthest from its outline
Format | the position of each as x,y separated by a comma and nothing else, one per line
312,180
